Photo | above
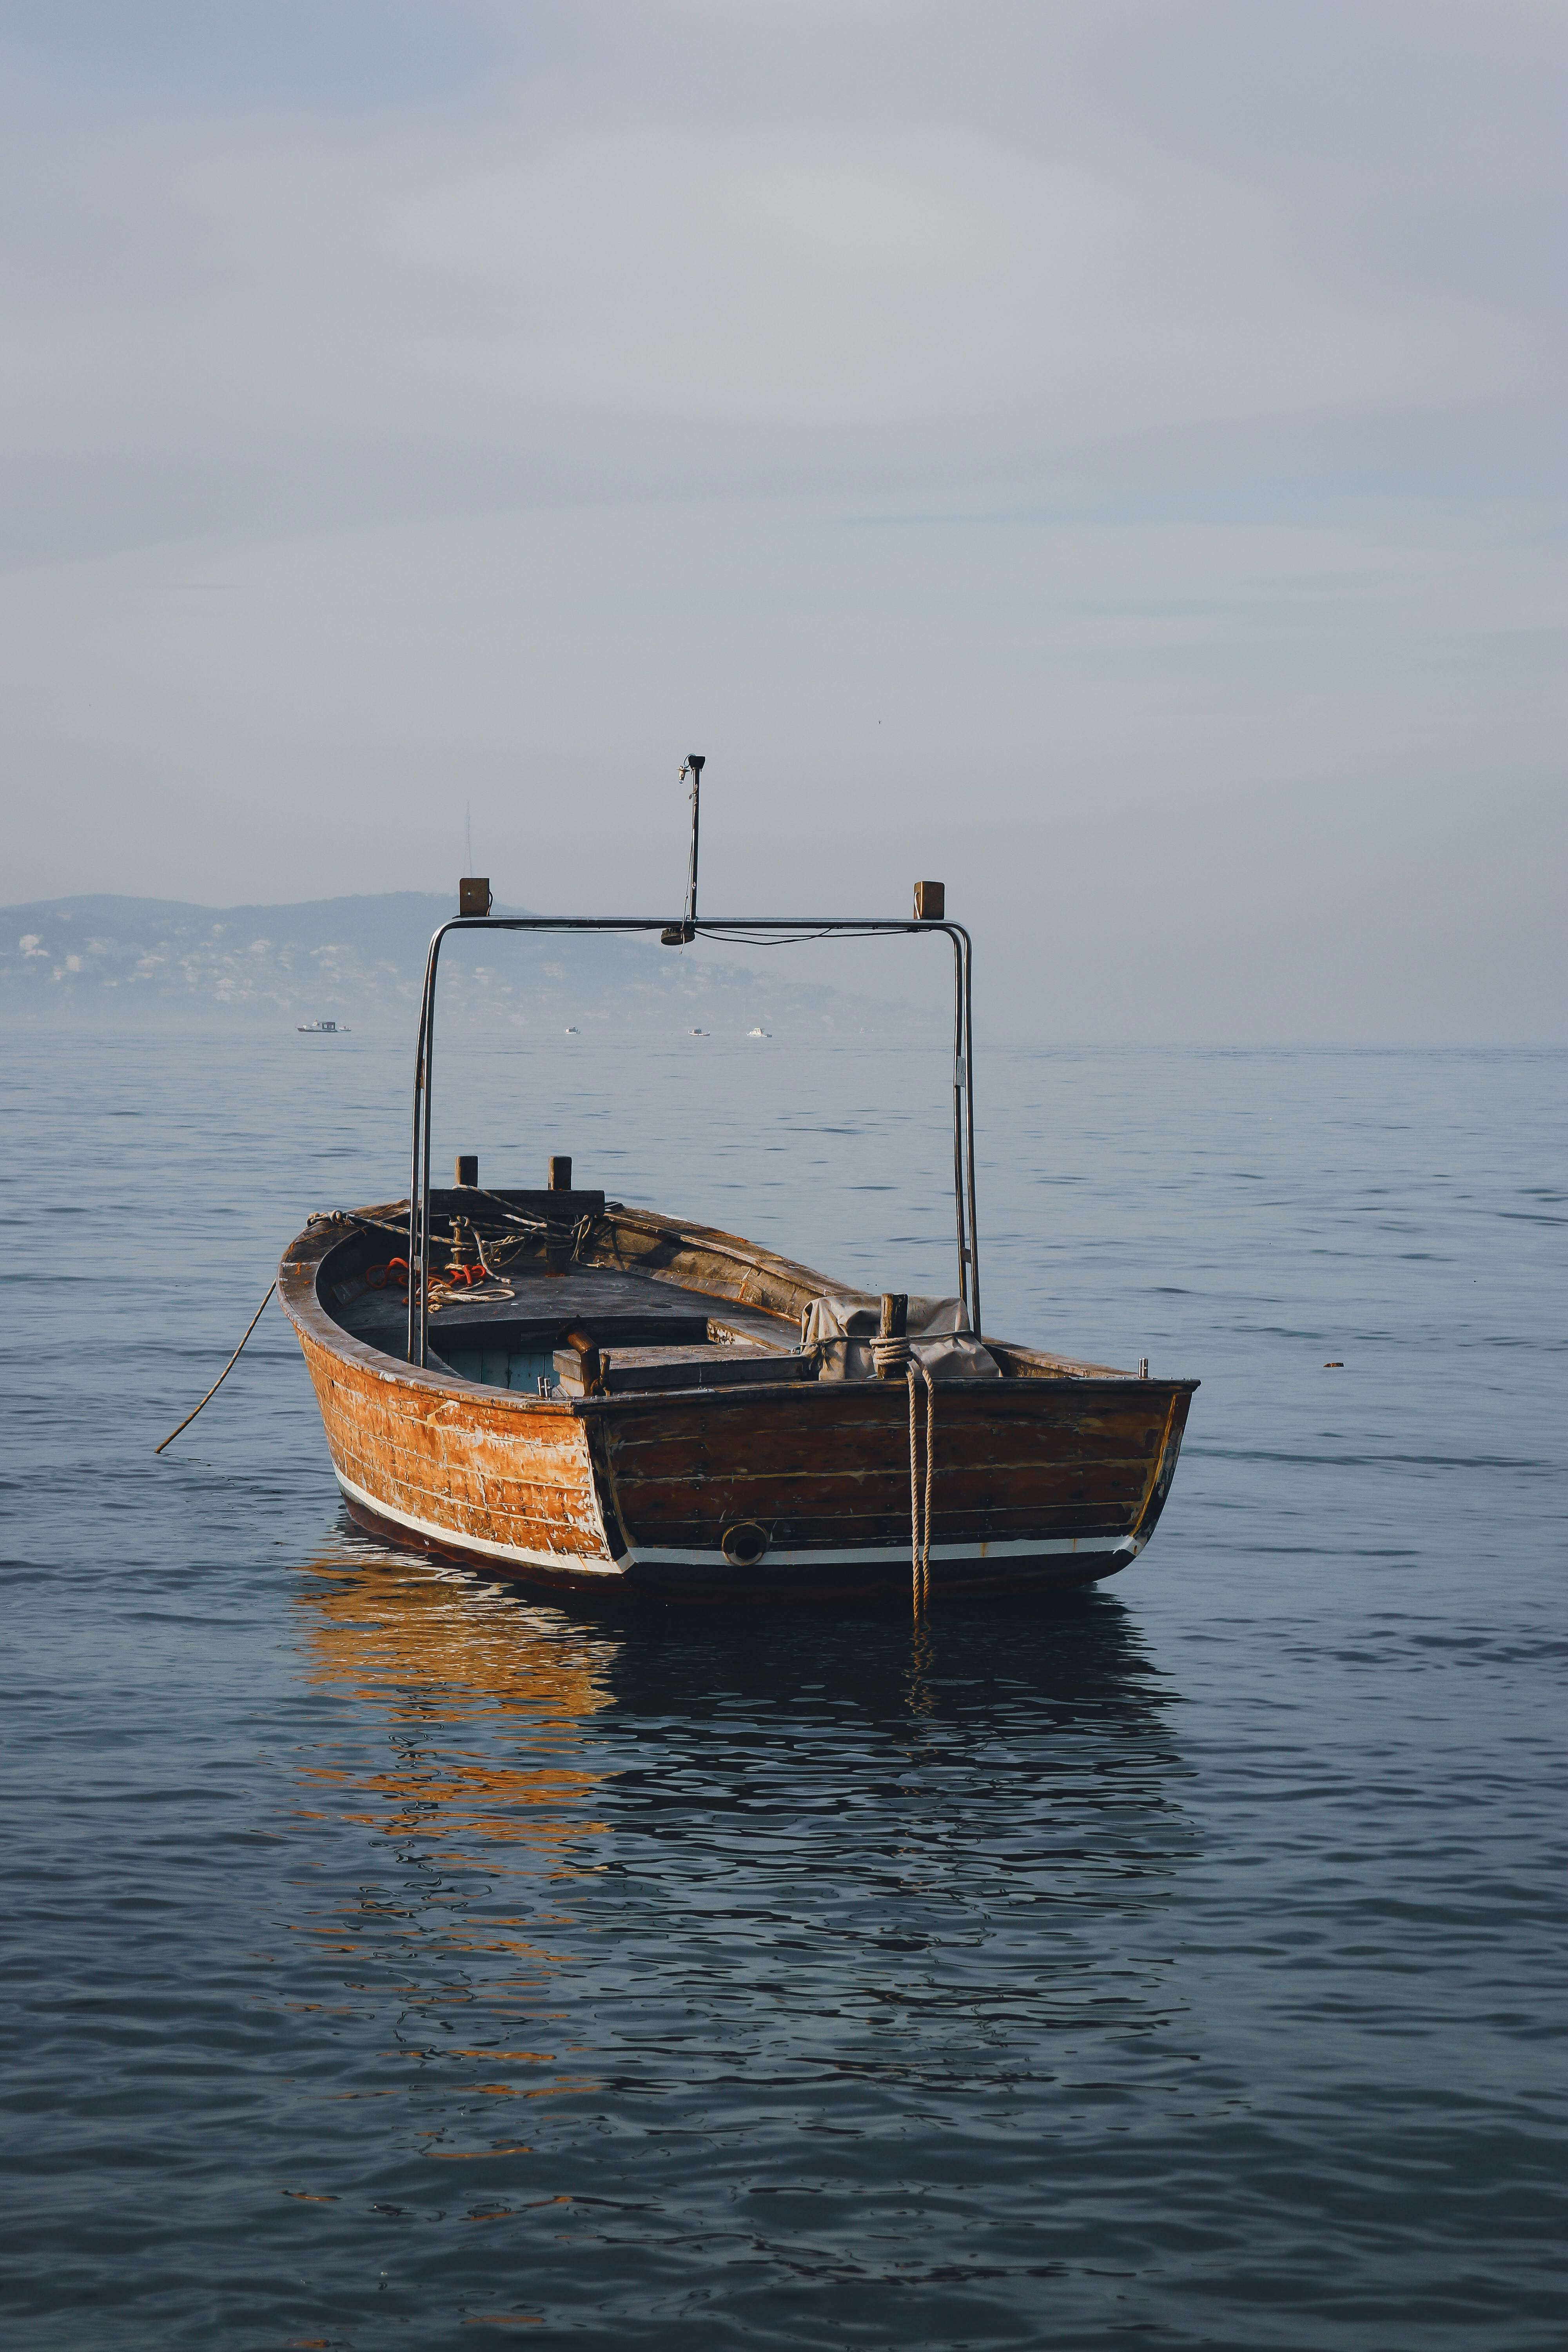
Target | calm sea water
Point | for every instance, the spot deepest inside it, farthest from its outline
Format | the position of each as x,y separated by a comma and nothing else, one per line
1182,1964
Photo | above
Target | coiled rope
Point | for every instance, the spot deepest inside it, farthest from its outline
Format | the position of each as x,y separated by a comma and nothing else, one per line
493,1263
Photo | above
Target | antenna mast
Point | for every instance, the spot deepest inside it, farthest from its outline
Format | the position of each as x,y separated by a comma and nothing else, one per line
676,935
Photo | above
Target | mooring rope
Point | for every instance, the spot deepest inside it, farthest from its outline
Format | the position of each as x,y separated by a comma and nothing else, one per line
920,1520
892,1354
224,1375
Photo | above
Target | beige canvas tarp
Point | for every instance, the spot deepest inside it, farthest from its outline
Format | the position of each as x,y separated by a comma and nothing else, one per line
841,1329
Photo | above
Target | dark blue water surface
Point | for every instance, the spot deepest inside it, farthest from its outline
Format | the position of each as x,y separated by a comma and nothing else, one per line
1179,1963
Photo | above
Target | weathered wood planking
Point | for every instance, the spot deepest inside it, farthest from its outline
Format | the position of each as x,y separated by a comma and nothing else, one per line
1005,1464
1053,1476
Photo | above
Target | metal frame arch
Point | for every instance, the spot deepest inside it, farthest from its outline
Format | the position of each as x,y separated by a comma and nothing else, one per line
784,928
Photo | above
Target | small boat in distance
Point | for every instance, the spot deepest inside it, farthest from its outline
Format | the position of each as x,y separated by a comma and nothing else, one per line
593,1397
571,1031
759,1033
321,1029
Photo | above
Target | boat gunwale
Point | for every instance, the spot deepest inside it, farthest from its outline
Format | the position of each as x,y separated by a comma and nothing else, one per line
305,1259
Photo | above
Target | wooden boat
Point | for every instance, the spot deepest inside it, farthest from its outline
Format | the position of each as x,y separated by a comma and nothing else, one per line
597,1399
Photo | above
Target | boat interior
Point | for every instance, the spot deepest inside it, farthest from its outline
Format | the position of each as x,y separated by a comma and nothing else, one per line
552,1305
596,1299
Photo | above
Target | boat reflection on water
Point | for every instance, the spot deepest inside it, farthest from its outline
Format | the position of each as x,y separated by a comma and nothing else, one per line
897,1867
632,1876
1036,1742
460,1752
1071,1661
485,1702
484,1698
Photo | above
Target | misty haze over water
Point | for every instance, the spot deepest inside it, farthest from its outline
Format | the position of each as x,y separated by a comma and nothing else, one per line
151,960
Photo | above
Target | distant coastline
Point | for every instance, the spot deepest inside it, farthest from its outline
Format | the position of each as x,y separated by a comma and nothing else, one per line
158,960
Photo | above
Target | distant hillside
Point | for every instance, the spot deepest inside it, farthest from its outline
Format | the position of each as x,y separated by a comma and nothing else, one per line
347,960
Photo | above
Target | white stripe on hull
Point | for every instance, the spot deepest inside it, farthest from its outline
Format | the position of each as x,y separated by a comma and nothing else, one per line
580,1563
1121,1550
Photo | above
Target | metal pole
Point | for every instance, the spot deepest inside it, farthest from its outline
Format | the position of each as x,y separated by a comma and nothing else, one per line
696,762
419,1172
424,1175
957,1123
412,1344
969,1103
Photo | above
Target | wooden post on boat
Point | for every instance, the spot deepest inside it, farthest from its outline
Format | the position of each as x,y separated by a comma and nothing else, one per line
466,1171
558,1237
895,1325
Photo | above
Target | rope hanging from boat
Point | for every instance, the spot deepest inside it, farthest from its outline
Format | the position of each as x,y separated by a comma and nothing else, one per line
892,1354
920,1520
224,1375
466,1274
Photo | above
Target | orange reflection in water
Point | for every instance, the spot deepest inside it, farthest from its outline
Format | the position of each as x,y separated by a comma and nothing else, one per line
484,1699
462,1756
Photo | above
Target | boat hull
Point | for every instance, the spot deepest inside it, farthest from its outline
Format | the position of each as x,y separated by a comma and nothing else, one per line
788,1494
807,1583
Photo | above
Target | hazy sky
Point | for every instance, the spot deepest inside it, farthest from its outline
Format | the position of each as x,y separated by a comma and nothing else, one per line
1109,456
